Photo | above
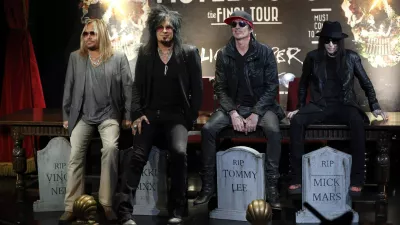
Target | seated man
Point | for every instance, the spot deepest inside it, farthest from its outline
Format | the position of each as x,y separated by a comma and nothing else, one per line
167,95
247,86
330,70
97,95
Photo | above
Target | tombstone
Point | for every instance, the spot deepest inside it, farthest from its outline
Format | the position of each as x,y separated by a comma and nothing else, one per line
326,183
152,192
52,164
240,180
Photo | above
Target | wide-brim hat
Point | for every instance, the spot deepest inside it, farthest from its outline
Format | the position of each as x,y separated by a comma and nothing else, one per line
332,30
239,15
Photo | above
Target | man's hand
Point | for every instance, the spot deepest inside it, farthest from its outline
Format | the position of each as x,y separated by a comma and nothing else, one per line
137,125
126,124
291,114
237,121
65,124
251,123
379,112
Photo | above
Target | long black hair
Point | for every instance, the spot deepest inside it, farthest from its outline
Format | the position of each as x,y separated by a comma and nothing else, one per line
341,67
156,17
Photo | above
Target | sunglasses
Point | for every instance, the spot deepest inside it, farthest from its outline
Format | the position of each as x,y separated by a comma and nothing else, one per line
92,33
167,28
241,24
334,41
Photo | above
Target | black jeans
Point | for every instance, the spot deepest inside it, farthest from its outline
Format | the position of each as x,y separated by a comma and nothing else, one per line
332,114
171,124
219,120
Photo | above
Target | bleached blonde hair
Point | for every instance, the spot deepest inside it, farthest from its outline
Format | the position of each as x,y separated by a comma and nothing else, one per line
105,47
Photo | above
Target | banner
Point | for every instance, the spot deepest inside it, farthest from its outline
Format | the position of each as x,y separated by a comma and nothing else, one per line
288,26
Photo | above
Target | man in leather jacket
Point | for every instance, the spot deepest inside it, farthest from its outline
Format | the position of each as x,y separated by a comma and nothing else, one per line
247,86
167,71
329,73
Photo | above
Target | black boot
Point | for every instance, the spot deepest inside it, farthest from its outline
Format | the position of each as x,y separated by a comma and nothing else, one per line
273,192
208,188
176,211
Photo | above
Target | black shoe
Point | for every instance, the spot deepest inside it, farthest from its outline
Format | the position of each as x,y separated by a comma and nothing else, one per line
176,215
203,197
174,220
208,188
272,191
273,197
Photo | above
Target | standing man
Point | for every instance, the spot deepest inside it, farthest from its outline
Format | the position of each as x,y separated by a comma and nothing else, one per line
97,95
330,70
247,86
167,94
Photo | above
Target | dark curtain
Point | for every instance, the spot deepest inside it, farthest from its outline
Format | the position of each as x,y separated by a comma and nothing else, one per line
22,86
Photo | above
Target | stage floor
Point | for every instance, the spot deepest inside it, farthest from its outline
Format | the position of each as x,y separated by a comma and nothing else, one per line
197,215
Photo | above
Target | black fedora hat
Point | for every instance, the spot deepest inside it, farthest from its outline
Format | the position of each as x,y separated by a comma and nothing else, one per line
332,30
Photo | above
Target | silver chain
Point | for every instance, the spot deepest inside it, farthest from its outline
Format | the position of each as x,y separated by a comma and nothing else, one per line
162,54
97,61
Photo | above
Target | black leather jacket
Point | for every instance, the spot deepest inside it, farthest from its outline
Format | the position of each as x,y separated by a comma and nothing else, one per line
261,76
190,80
314,74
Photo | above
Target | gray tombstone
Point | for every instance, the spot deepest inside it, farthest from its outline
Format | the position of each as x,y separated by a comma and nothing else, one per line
240,180
52,170
151,194
326,183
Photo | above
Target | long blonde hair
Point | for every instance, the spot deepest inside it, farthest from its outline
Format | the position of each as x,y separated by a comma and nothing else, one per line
105,47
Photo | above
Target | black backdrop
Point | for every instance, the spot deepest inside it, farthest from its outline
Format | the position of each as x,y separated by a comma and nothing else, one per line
287,26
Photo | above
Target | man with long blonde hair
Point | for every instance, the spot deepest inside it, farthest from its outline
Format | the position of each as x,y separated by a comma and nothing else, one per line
97,95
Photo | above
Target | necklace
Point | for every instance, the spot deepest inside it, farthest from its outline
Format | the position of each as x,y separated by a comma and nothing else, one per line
96,61
165,57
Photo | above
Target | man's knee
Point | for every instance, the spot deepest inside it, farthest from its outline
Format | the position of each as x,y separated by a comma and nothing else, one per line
211,127
270,123
297,120
179,148
356,119
110,148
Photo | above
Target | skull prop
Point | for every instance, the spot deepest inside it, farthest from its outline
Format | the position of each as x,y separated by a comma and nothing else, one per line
376,29
126,20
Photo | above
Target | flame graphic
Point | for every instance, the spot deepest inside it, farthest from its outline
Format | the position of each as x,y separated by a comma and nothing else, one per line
126,21
378,39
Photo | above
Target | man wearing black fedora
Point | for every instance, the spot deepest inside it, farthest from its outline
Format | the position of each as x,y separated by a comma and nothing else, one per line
247,86
328,72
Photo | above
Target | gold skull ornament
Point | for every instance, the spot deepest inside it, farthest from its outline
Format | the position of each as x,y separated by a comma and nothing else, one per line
85,208
259,212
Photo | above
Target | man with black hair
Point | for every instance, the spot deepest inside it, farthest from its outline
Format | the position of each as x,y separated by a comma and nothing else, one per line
167,95
247,85
330,71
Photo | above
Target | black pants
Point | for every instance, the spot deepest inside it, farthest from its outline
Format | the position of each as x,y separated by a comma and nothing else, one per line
219,120
332,114
173,125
